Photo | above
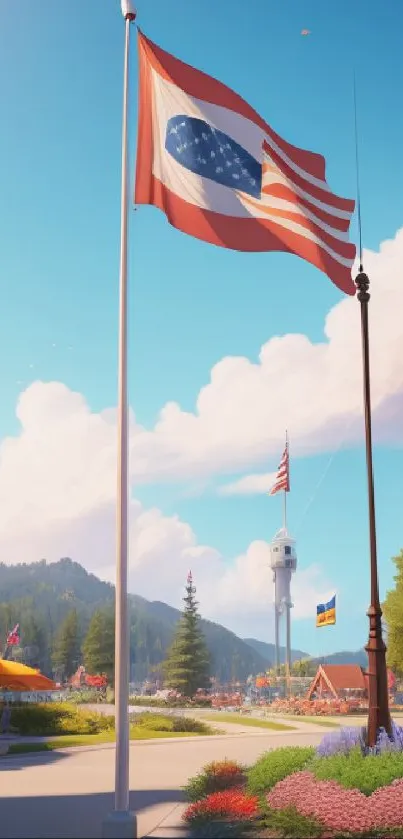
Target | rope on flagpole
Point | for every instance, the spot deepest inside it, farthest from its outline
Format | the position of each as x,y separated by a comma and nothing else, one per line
357,174
334,454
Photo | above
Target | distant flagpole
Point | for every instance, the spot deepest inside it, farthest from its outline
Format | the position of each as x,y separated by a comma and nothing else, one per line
288,472
121,823
282,480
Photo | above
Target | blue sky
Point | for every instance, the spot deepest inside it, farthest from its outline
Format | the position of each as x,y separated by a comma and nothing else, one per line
192,304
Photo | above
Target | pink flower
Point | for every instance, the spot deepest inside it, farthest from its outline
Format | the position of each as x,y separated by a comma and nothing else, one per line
337,808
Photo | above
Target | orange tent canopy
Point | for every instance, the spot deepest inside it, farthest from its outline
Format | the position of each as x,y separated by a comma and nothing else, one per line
15,676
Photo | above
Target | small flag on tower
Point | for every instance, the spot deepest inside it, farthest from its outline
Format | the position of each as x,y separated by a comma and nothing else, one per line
282,481
326,613
13,637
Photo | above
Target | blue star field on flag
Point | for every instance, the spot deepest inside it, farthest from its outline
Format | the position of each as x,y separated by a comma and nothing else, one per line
204,150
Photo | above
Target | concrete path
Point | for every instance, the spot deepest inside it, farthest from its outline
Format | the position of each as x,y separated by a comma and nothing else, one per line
67,793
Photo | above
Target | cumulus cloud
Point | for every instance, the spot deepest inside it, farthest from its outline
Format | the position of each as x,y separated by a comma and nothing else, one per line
57,496
258,484
312,388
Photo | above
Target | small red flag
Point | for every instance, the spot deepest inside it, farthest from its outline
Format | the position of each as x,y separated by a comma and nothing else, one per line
13,637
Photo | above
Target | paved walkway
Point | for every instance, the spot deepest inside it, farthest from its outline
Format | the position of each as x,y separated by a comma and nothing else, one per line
66,794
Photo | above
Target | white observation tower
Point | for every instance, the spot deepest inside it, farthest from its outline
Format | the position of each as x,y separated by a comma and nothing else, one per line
283,561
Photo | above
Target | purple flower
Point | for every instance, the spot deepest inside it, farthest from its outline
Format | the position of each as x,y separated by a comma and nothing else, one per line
346,739
341,742
386,743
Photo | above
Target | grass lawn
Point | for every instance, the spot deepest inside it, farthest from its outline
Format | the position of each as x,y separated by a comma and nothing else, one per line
253,722
71,740
317,720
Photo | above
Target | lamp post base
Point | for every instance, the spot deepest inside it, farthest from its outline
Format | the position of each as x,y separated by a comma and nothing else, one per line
120,824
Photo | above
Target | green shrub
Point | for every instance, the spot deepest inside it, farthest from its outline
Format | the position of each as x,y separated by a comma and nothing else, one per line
291,824
354,770
191,725
83,697
110,695
154,722
275,765
153,702
215,777
162,722
52,718
157,702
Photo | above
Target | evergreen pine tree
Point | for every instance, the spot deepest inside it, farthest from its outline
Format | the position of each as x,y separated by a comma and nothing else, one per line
66,648
99,644
187,664
393,614
35,638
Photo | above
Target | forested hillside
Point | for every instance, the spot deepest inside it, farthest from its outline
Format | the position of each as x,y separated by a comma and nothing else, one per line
39,597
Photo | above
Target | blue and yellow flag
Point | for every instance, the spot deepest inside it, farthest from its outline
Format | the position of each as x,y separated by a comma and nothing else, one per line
326,613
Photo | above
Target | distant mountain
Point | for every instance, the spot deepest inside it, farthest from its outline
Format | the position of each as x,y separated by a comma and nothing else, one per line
39,596
345,657
268,651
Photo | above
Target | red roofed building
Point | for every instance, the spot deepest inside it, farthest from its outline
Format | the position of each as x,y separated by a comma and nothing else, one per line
339,681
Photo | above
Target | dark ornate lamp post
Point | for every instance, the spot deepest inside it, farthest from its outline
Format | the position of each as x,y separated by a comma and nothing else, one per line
378,716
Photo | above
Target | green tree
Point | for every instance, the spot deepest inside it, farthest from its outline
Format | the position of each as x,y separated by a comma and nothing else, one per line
187,664
99,643
393,613
35,638
66,648
304,667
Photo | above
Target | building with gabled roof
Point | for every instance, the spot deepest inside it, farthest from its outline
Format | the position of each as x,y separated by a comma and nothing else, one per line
339,681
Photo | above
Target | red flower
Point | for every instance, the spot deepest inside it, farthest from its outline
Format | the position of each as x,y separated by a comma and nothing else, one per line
229,804
225,769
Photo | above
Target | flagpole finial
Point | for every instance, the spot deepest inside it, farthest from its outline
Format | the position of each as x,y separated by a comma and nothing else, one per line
128,10
362,284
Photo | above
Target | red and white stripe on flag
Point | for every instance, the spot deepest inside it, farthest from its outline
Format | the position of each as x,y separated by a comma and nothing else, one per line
13,637
282,481
220,173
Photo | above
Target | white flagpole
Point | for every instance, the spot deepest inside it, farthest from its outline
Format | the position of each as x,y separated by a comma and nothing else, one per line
121,823
285,491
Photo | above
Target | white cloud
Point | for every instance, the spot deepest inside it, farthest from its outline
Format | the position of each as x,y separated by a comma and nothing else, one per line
258,484
57,497
313,389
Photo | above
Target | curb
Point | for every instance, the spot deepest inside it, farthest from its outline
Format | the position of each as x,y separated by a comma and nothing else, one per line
171,827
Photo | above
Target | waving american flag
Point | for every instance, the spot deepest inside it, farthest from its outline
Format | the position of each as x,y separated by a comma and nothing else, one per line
282,481
220,173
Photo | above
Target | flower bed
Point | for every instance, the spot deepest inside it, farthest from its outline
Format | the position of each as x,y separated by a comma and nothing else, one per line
339,809
317,707
216,776
230,805
340,789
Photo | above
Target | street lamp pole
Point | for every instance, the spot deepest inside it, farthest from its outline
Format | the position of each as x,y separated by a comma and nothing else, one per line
378,714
